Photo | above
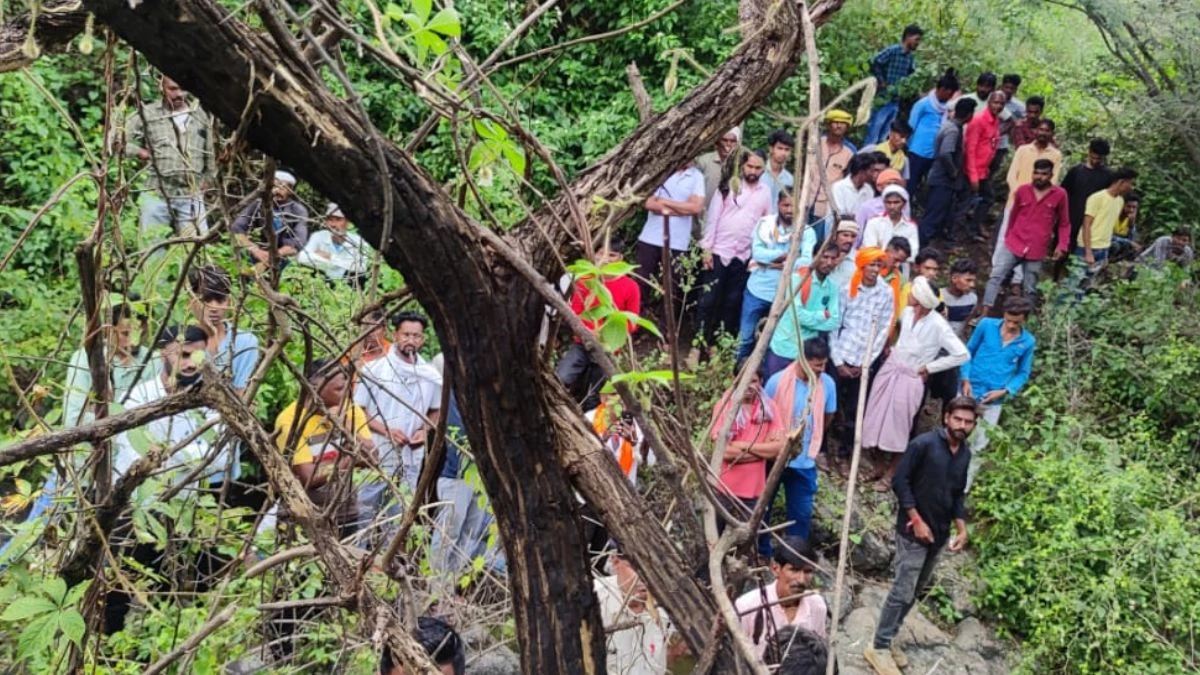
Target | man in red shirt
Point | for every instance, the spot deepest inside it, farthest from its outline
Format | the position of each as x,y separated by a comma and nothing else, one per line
576,366
1039,210
981,139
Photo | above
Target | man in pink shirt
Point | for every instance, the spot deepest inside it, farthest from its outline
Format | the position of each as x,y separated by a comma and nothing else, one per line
1038,211
790,601
728,232
981,139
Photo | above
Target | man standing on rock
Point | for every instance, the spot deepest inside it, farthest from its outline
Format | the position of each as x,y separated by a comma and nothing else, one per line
929,486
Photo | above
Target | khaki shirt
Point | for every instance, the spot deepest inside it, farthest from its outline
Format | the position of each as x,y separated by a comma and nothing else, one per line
180,160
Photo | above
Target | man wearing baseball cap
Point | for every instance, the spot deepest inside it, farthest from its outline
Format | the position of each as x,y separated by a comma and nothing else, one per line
340,254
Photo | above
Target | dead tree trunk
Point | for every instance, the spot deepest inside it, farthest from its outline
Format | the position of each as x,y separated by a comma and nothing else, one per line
523,427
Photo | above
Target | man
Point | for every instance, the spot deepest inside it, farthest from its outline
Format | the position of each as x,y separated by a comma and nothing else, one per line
1000,364
890,66
234,351
857,187
874,206
641,639
756,436
830,161
440,642
726,247
576,369
926,119
712,163
812,314
126,361
1009,84
289,219
893,147
777,177
928,264
1039,210
960,297
374,343
882,229
621,435
1100,216
789,601
980,143
868,306
844,239
174,140
1124,244
340,254
401,394
1023,131
899,388
789,389
896,254
670,216
929,487
327,437
772,239
1020,172
985,86
1086,179
947,179
1176,248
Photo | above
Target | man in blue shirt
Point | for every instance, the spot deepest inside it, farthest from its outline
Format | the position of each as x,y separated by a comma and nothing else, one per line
1000,363
890,66
789,390
926,119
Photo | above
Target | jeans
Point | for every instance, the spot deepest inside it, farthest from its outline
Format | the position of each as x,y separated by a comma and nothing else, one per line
754,309
799,489
1081,275
460,531
881,122
720,306
576,370
1005,261
1018,275
185,215
649,262
914,567
940,210
918,167
979,438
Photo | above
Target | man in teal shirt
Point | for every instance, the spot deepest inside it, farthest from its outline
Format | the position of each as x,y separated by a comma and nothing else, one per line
814,312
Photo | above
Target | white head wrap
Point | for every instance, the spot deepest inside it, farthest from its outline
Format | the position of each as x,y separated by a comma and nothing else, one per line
285,177
923,293
895,190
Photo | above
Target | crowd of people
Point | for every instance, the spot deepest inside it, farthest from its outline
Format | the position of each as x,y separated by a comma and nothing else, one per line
880,288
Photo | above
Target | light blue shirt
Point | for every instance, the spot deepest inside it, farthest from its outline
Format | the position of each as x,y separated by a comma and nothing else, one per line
811,315
237,355
784,182
994,365
925,119
802,460
764,281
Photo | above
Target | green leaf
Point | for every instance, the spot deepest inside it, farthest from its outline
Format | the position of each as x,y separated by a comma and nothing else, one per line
613,333
515,156
26,606
70,622
394,12
618,268
446,22
643,322
422,9
77,592
37,636
55,588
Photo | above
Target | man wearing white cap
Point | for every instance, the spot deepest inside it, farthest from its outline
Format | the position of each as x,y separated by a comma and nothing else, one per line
289,219
335,251
710,163
893,223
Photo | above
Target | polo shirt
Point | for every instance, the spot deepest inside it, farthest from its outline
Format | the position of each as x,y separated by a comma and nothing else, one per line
1105,210
680,186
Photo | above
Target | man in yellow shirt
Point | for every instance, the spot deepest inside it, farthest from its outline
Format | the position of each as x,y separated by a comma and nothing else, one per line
893,147
1100,217
328,437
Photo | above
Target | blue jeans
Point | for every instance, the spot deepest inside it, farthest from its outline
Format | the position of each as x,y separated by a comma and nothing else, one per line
754,309
881,122
799,490
918,166
185,215
939,214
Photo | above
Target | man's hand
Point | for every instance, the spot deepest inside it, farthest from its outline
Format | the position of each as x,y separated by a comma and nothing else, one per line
921,531
397,437
1088,256
707,261
923,372
260,254
992,396
849,371
143,155
418,438
966,389
322,253
1059,254
974,185
959,542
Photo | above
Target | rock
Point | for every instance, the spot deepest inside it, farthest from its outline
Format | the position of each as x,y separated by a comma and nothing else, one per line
499,660
872,555
973,636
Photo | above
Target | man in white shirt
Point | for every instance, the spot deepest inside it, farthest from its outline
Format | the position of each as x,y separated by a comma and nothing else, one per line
893,222
401,394
790,601
644,642
670,213
338,253
856,188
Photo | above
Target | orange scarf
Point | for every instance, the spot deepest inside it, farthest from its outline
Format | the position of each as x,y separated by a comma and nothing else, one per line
625,452
785,401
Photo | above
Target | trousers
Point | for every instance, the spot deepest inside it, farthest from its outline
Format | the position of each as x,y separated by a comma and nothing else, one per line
914,564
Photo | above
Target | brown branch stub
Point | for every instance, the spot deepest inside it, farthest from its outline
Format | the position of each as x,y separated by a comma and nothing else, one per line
58,22
641,98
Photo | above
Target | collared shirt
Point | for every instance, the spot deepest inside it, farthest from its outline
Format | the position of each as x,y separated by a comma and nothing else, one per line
761,614
771,242
920,342
847,198
931,479
335,260
784,181
122,376
1015,108
897,159
237,355
731,219
639,647
1157,254
761,424
819,314
399,394
180,160
1032,221
709,164
947,169
1105,209
679,186
869,209
925,118
980,141
996,365
289,220
840,276
834,167
803,460
167,431
891,65
1020,171
880,230
872,303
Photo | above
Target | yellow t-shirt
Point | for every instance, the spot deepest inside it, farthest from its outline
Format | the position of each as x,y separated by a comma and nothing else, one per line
316,437
1105,211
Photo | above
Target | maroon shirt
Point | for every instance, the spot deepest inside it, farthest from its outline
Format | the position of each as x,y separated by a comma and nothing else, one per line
1031,222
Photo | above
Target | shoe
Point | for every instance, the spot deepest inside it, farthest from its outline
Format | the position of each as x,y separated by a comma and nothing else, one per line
881,661
898,656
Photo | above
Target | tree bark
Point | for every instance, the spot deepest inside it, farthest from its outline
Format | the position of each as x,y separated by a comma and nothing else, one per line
56,25
525,430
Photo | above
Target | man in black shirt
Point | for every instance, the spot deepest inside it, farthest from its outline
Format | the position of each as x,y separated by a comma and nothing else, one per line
1085,179
929,486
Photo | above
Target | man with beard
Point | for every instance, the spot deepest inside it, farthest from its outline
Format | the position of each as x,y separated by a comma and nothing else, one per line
812,315
175,141
831,161
288,218
844,239
790,601
772,239
401,394
713,162
728,233
929,486
1020,172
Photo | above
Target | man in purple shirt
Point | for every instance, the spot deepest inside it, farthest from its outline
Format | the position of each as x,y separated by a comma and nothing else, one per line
1039,210
728,232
